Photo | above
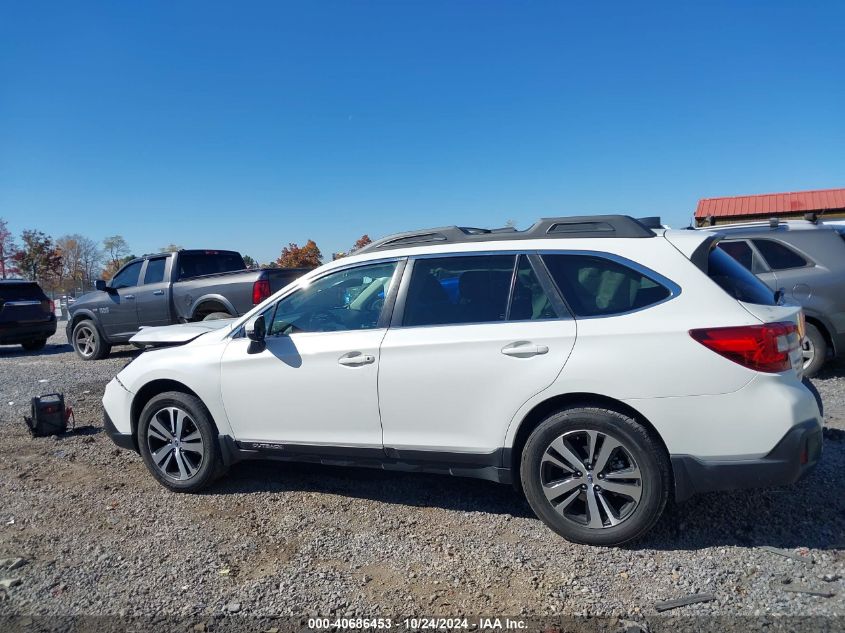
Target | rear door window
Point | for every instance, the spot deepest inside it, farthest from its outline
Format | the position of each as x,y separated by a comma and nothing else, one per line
778,256
738,282
155,270
598,286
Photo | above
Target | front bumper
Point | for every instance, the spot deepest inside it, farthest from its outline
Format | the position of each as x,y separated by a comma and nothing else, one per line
123,440
791,459
21,333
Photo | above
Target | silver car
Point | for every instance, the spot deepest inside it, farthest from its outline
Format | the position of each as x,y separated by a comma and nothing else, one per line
806,260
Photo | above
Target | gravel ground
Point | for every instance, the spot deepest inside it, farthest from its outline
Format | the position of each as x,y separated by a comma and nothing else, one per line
99,536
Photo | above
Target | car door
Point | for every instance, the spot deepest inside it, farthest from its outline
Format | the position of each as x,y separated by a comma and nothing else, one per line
313,388
477,336
152,297
118,312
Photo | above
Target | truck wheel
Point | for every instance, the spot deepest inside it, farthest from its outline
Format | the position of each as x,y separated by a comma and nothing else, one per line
35,345
217,315
595,476
815,350
87,342
178,442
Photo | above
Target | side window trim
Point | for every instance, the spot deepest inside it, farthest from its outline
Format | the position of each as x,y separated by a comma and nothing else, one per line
558,301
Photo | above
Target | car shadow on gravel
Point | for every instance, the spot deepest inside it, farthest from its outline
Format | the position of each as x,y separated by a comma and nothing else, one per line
407,489
14,351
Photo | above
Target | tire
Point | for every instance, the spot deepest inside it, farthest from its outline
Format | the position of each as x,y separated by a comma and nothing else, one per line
34,346
616,518
815,350
88,342
217,315
194,460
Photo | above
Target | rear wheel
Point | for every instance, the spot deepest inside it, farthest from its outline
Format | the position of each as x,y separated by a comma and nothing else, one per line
178,442
595,476
35,345
87,342
815,350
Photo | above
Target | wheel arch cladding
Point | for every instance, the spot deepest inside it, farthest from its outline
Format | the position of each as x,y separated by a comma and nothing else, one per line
572,401
150,391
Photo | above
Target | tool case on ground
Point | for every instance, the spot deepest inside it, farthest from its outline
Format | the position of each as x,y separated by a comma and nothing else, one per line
48,415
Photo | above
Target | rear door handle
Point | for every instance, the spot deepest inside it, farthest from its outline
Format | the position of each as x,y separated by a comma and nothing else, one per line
356,359
524,349
158,292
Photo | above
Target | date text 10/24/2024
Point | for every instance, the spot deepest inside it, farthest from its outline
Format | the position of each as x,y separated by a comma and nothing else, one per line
418,624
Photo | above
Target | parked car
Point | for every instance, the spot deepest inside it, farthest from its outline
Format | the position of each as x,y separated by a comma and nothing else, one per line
27,315
155,290
602,366
807,261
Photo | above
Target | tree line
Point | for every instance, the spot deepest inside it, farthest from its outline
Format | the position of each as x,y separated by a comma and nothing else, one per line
71,263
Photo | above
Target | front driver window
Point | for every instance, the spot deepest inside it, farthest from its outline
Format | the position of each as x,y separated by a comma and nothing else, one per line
349,299
127,277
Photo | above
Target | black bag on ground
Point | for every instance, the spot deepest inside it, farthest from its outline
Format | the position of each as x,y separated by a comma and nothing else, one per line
48,415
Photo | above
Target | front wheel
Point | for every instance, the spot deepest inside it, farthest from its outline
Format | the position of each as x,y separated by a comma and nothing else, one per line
595,476
178,442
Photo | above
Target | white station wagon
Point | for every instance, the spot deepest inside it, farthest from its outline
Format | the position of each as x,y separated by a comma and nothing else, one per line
601,366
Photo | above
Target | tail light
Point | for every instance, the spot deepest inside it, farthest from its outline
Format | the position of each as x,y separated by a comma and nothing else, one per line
260,291
758,347
52,306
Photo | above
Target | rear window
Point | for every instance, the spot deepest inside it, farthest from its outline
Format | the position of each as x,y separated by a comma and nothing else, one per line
778,256
198,263
738,282
20,292
598,286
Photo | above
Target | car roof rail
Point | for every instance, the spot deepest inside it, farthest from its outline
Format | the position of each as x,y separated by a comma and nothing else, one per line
582,226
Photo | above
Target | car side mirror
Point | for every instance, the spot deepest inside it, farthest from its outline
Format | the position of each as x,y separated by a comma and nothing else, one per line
256,331
101,285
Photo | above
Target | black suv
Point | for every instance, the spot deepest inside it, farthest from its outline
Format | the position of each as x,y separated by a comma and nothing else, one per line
27,315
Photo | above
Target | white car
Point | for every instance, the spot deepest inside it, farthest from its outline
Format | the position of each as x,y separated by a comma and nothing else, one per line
602,366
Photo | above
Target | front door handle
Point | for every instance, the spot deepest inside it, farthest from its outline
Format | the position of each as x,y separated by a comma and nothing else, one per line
158,292
356,359
128,296
524,349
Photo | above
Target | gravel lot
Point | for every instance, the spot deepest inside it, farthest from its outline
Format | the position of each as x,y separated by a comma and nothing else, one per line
99,536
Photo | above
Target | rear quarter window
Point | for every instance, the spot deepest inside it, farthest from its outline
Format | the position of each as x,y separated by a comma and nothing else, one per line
598,286
738,282
778,256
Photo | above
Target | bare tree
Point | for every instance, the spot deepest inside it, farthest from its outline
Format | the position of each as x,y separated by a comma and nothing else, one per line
8,248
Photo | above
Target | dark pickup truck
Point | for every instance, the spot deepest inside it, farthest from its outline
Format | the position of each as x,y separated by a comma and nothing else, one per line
180,287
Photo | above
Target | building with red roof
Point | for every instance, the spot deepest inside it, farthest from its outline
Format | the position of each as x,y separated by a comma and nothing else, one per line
825,203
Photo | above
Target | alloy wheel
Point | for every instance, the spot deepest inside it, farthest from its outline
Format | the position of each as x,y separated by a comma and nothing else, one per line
808,351
85,340
175,443
591,479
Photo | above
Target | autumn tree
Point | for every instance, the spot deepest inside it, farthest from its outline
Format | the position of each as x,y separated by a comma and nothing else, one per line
116,254
295,256
8,248
81,259
361,243
39,259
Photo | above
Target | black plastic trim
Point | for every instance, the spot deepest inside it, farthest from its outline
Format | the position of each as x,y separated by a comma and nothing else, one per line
123,440
782,466
592,226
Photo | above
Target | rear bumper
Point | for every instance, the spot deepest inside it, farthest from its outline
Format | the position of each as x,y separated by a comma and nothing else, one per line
10,334
791,459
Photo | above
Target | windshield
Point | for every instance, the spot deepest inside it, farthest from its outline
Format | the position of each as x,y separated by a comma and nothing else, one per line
736,280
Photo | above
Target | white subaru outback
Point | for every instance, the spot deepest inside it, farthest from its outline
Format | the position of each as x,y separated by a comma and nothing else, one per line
601,366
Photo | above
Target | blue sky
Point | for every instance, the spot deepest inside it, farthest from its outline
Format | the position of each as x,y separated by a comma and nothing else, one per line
250,125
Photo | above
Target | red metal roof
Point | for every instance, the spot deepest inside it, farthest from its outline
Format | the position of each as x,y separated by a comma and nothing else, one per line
772,203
